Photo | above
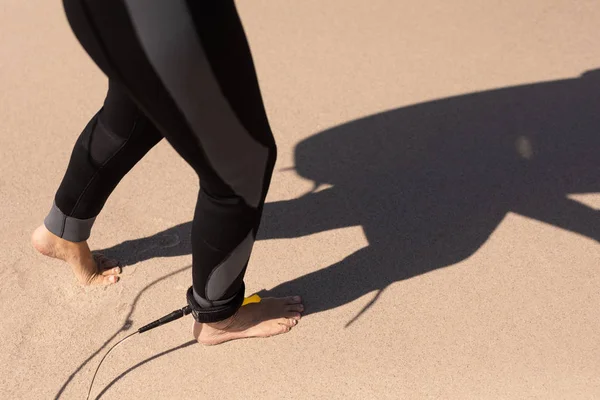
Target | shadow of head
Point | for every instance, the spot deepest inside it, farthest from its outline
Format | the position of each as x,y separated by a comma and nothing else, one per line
488,134
430,182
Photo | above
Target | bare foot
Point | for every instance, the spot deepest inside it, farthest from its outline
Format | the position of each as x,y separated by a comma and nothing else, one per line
272,316
89,269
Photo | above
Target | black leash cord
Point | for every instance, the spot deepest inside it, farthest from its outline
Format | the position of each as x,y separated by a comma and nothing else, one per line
166,319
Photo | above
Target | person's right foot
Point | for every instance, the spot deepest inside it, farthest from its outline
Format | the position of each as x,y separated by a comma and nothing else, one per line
272,316
89,269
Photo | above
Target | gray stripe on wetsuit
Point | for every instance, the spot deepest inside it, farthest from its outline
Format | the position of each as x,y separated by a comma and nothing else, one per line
68,228
166,32
225,273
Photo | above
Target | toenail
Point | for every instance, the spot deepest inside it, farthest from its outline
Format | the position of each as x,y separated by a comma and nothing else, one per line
296,298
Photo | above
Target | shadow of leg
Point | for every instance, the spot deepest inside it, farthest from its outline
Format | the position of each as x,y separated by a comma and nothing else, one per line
173,242
337,284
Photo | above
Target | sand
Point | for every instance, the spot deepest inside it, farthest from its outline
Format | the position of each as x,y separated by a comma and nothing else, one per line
448,249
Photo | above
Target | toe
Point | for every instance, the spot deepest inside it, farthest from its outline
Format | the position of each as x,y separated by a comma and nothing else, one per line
293,300
104,262
293,315
112,271
103,280
287,322
295,307
110,279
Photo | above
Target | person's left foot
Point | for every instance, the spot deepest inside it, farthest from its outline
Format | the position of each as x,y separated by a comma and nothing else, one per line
90,269
272,316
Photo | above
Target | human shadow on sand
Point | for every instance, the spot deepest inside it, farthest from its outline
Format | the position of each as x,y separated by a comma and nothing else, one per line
429,183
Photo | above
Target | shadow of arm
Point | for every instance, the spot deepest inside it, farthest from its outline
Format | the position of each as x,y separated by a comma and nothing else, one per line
306,215
566,213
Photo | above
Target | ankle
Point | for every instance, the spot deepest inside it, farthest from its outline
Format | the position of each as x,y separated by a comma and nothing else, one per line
52,245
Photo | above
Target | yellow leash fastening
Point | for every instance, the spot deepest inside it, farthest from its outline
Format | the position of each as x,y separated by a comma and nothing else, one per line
252,299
